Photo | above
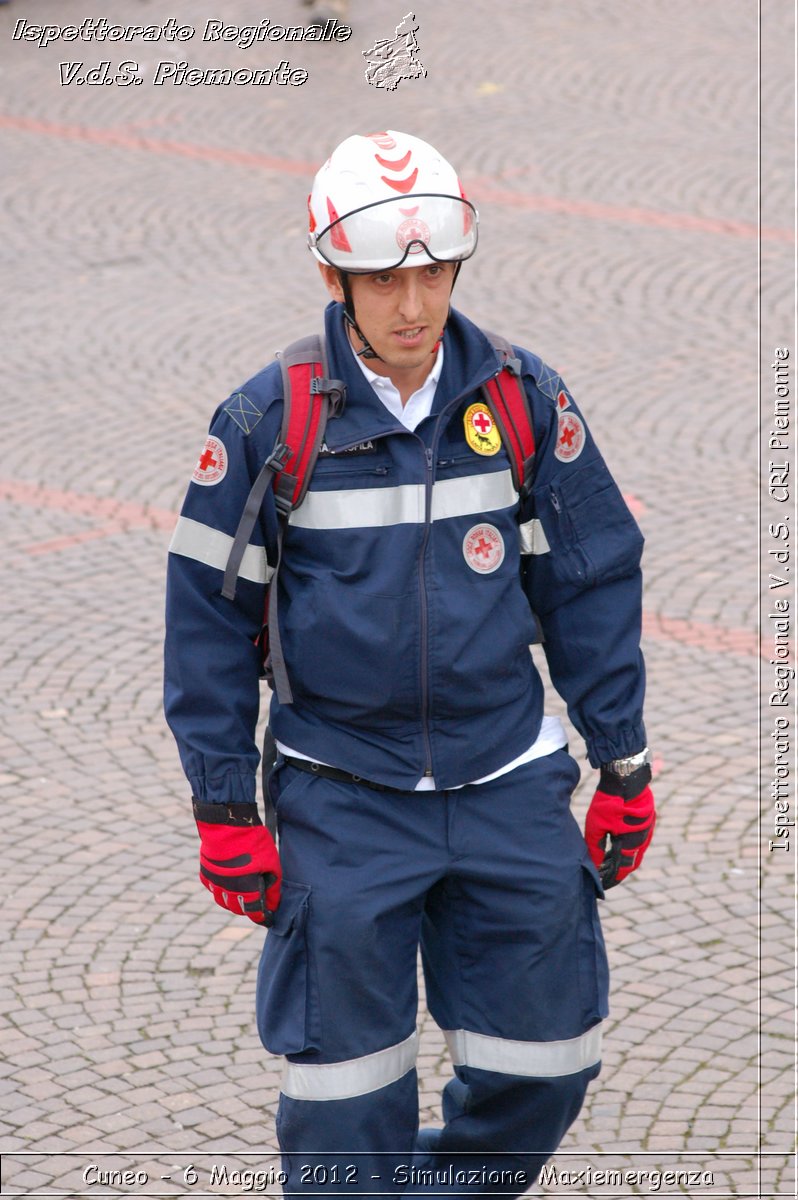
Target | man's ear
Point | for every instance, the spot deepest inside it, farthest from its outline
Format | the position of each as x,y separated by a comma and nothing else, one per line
332,281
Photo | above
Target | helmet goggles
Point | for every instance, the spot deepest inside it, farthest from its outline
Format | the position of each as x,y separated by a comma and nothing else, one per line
382,235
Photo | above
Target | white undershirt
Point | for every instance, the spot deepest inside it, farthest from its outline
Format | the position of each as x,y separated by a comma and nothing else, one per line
419,405
552,735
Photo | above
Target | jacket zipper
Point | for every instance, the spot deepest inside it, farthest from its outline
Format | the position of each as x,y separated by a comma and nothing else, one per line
341,469
424,613
429,456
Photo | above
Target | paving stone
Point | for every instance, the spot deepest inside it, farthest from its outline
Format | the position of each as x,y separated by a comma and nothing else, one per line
149,269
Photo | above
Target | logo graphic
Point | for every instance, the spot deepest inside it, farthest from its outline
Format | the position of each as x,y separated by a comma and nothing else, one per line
483,549
480,430
570,437
413,230
212,463
390,60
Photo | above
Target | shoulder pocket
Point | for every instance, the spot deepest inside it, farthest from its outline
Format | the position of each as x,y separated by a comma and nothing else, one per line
592,536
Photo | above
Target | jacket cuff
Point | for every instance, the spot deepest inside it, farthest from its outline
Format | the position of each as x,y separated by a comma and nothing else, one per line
224,789
603,749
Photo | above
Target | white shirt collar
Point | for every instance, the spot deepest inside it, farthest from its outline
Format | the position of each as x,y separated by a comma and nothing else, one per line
419,405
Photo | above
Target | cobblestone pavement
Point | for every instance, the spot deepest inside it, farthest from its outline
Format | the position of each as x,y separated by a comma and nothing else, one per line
154,257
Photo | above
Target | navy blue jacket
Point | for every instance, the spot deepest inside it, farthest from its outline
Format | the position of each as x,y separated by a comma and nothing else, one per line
407,589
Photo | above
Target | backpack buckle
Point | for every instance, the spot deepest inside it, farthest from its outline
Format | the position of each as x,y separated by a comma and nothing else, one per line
334,388
284,485
279,457
283,495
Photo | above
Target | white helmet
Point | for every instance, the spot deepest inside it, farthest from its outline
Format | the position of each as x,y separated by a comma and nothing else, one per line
387,200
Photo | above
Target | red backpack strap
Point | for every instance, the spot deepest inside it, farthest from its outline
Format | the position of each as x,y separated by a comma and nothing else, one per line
509,406
308,398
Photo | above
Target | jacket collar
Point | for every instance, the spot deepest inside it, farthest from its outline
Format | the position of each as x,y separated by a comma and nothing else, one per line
468,361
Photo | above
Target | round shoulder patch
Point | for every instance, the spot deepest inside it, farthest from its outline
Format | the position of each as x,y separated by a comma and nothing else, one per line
480,430
212,463
483,549
570,437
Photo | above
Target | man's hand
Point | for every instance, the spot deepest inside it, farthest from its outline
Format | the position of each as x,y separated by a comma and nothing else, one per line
623,810
239,864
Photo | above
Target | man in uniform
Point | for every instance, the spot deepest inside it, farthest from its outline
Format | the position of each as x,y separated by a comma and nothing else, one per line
422,796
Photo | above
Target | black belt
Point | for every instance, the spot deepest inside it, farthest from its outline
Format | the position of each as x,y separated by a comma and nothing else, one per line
314,768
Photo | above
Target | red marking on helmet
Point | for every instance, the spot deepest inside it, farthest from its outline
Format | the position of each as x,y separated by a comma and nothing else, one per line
401,185
337,235
468,216
311,218
409,212
398,165
383,140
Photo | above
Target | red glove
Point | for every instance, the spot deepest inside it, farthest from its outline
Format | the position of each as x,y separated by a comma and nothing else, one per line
239,864
622,808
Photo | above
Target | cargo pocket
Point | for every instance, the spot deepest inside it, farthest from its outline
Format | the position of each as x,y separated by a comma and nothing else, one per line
592,956
287,1017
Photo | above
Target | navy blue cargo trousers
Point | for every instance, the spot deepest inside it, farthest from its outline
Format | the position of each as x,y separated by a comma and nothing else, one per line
494,883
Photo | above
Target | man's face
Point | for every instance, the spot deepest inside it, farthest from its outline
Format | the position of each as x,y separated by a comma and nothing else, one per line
401,312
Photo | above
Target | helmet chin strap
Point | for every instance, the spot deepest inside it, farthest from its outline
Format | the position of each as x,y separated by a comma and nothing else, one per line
368,350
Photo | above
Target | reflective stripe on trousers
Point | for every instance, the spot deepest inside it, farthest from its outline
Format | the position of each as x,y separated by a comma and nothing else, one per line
360,1076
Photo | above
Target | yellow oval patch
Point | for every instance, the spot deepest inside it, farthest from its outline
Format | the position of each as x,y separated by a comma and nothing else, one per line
480,430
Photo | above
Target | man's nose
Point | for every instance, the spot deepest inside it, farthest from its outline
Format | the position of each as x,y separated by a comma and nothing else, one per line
410,299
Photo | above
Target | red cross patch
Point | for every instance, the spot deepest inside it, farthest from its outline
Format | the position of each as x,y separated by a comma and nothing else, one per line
483,549
480,430
212,463
570,437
